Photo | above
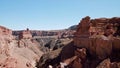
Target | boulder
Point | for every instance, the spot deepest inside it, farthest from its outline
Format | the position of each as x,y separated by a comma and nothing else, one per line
104,64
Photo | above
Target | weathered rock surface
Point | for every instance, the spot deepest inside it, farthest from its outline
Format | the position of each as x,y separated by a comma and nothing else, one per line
25,34
98,35
108,64
15,53
9,63
53,57
38,33
94,41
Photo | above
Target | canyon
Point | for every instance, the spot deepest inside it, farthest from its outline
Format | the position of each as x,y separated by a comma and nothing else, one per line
93,43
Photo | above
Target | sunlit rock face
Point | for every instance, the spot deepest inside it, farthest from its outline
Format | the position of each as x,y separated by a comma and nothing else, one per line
5,40
98,35
25,34
94,41
18,53
5,31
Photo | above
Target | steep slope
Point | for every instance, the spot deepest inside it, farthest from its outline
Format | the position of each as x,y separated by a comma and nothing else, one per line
16,54
94,41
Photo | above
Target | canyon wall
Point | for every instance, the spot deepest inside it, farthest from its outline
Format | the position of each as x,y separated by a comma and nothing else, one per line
98,35
96,43
18,53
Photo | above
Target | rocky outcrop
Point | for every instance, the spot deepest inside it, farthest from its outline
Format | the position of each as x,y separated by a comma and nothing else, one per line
104,64
6,39
98,35
25,34
108,64
5,31
77,60
94,41
53,57
15,54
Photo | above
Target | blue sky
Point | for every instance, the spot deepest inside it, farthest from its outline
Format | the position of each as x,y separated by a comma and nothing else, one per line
53,14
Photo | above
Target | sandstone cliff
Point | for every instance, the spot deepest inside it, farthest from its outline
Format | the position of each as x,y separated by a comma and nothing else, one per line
95,44
98,35
94,41
17,53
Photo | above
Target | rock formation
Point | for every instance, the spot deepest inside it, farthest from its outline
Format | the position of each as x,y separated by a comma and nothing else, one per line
13,55
108,64
6,39
5,31
52,57
98,35
58,33
94,41
25,34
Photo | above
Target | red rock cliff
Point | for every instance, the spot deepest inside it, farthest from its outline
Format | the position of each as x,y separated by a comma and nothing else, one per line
98,35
